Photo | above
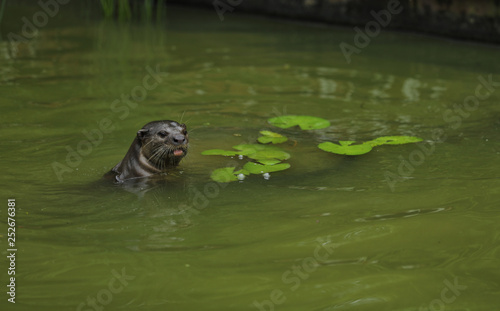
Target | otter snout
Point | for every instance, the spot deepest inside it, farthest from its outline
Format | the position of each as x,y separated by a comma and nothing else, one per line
178,139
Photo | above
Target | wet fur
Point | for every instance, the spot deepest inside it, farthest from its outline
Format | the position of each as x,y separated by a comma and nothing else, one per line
152,152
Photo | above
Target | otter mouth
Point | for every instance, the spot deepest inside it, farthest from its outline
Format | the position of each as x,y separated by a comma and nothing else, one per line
179,152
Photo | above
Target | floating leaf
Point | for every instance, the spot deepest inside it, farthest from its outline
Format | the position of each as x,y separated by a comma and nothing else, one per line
305,122
271,137
225,174
255,168
393,140
269,162
270,134
269,155
242,171
228,153
246,149
262,152
345,147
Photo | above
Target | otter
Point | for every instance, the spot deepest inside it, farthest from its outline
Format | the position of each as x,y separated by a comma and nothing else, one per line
158,146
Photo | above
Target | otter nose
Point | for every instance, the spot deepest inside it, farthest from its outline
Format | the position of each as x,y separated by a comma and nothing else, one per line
179,139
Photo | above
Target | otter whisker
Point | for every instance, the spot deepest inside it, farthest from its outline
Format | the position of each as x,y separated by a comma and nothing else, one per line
147,144
157,155
154,153
154,159
154,149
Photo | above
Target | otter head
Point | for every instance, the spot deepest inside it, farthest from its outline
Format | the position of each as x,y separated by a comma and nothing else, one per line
163,143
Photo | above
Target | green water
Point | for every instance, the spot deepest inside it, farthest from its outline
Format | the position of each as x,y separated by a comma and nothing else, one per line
330,233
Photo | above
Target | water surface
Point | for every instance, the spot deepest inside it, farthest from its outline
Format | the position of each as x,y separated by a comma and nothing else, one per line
390,230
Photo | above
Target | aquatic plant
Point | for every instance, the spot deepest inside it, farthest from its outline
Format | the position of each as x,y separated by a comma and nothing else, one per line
124,10
268,157
2,8
253,151
225,174
256,168
271,137
350,148
108,7
304,122
345,147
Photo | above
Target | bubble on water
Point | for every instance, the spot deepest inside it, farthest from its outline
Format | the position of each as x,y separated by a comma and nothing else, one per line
240,157
241,177
266,176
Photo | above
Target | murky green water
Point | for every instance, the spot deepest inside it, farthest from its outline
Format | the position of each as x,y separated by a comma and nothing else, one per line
401,228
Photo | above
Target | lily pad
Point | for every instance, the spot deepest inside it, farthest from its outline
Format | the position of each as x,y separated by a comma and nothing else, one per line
393,140
271,137
242,171
228,153
269,162
225,174
246,149
256,168
262,152
269,155
305,122
345,147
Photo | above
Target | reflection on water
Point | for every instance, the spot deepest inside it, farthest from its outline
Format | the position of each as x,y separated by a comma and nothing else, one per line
192,244
410,213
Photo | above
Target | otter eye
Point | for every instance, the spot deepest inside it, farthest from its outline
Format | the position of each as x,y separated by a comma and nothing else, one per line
162,134
184,132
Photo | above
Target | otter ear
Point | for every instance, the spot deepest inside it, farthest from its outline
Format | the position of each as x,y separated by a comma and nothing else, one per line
141,133
183,126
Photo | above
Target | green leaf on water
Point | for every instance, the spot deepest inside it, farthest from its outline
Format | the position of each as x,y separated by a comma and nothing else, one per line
225,174
269,155
265,154
305,122
393,140
262,152
255,168
242,171
345,147
228,153
246,149
269,162
271,137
